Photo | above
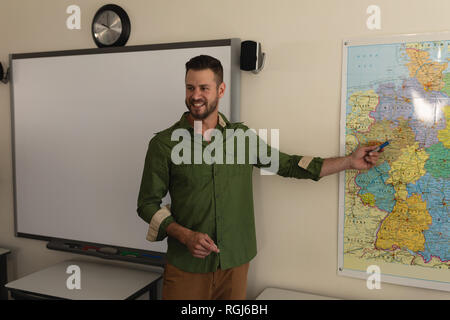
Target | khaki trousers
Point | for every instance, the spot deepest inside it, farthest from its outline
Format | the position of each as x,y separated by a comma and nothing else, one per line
230,284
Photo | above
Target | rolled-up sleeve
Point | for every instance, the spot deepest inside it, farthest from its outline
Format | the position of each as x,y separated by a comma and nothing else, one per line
285,165
154,186
300,167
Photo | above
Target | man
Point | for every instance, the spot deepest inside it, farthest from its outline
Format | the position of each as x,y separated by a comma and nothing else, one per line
210,223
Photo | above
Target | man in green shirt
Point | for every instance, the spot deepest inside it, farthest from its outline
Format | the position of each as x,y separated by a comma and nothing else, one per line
210,223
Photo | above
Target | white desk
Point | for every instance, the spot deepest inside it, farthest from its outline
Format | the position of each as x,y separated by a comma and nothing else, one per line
99,281
281,294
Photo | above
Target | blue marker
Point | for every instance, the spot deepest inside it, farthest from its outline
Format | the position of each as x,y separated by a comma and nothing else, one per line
382,146
151,256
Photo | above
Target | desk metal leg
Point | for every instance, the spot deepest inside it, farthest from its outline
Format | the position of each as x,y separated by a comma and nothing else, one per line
153,289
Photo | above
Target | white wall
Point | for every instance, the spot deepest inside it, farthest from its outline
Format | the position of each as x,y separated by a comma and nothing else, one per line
298,92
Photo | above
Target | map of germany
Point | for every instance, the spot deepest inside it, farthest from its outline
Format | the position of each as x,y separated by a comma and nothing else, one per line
397,213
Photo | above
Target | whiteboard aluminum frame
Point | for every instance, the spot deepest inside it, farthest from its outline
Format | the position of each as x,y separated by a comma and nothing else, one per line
405,38
234,87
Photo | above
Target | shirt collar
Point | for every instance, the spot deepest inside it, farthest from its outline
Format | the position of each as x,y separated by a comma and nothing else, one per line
184,122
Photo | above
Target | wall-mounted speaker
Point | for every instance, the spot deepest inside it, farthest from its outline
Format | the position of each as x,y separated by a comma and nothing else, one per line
252,59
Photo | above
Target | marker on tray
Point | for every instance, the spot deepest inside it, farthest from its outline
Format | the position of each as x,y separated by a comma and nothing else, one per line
90,248
129,254
151,256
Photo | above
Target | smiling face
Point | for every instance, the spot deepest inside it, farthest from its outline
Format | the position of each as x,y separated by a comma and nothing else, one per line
202,93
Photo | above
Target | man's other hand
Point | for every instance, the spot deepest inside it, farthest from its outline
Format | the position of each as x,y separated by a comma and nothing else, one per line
200,245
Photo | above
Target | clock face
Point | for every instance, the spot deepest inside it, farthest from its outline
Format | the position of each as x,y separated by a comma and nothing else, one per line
107,27
111,26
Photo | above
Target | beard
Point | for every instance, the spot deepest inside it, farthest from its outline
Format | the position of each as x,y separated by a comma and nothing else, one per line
208,108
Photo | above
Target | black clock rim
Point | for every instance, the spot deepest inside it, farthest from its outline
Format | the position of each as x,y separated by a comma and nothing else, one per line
126,26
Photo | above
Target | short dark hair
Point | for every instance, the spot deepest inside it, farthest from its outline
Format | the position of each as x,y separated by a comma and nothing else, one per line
203,62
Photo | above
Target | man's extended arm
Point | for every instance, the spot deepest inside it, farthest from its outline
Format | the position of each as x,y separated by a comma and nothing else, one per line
362,158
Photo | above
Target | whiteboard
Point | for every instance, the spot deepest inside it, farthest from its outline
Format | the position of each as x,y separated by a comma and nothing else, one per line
81,123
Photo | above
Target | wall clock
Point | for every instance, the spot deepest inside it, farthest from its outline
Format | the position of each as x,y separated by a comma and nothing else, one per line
111,26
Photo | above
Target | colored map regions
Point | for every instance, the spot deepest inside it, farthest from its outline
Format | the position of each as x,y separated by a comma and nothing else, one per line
373,188
362,104
429,45
394,103
397,132
435,192
408,168
428,72
444,134
446,88
423,110
403,228
438,163
361,221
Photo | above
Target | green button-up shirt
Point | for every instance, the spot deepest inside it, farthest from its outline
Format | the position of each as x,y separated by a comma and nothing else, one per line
214,197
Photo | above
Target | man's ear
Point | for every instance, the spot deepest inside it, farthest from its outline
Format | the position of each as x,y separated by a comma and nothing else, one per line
221,88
